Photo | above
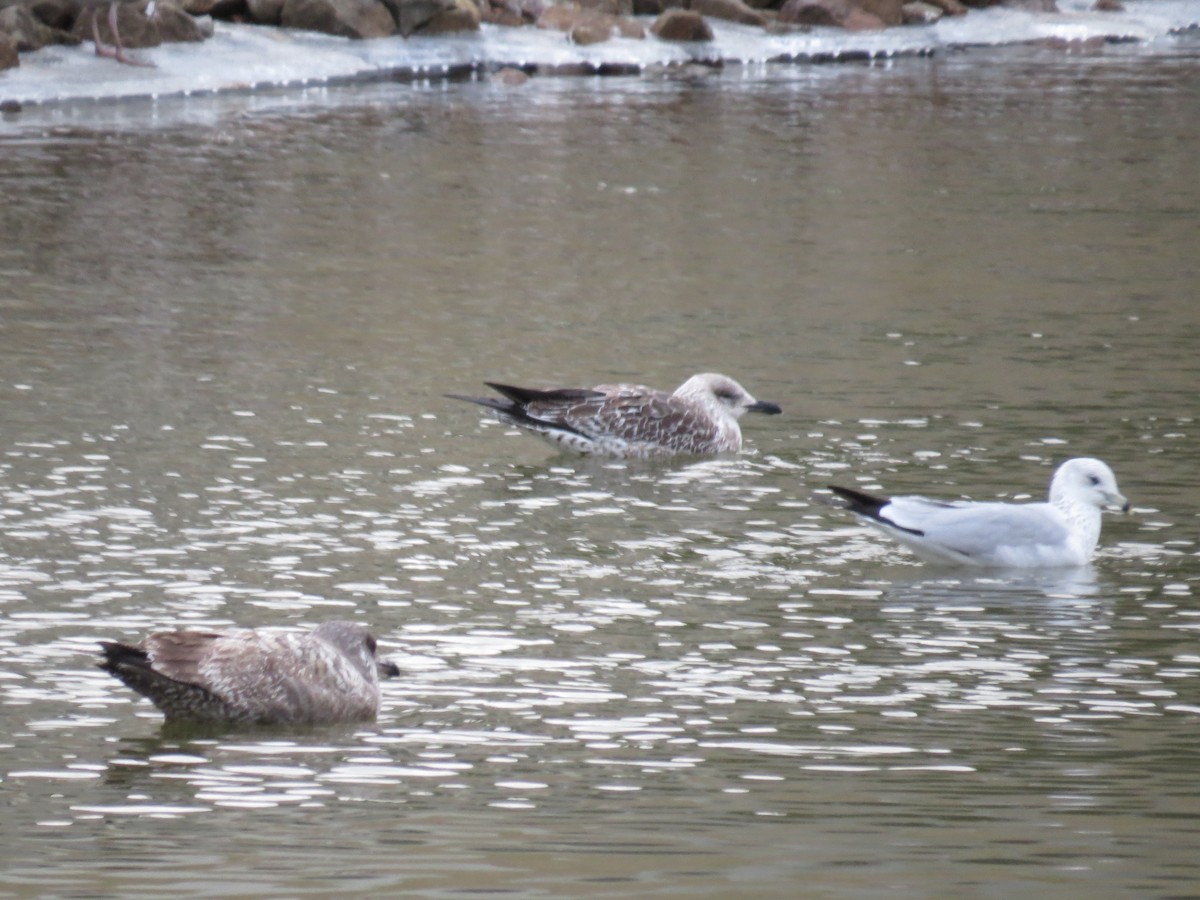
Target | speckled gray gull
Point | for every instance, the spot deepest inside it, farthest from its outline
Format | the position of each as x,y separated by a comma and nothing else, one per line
1061,532
244,677
630,421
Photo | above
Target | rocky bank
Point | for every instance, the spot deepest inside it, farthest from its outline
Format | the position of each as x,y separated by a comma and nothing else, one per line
117,27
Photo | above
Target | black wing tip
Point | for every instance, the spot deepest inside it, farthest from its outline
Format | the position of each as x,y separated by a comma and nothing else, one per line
522,396
870,507
859,502
118,655
489,402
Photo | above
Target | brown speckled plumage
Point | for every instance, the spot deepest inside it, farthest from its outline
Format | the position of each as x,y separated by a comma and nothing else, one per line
631,420
328,675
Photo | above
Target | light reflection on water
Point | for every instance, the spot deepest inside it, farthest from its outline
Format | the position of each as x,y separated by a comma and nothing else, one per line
615,676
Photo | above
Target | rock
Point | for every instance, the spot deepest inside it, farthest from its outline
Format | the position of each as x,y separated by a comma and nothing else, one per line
611,7
588,24
681,25
949,7
28,32
510,76
500,12
412,15
838,13
344,18
9,58
168,24
886,11
919,13
589,33
60,14
462,16
730,10
10,107
814,12
265,12
1108,6
653,7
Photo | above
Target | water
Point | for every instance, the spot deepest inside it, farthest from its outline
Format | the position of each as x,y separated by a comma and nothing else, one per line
224,339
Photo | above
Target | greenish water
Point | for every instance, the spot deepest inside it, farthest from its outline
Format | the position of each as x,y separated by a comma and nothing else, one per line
225,333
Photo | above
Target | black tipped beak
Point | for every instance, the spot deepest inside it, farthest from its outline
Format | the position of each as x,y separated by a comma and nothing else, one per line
765,406
388,669
1125,507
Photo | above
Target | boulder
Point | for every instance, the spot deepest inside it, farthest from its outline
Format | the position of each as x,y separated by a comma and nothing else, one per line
29,32
920,13
265,12
502,12
167,23
344,18
730,10
838,13
413,15
510,76
681,25
949,7
60,14
462,16
9,58
611,7
589,33
814,12
886,11
1108,6
587,25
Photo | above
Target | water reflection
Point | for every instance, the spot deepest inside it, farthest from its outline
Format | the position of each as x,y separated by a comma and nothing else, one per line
615,675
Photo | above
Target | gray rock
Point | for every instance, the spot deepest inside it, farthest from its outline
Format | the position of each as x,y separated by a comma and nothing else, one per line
344,18
681,25
9,58
919,13
730,10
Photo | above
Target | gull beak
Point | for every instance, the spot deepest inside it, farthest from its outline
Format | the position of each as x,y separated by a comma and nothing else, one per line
388,669
764,406
1118,501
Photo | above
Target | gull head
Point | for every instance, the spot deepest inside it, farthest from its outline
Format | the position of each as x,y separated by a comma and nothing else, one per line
1087,481
722,392
357,644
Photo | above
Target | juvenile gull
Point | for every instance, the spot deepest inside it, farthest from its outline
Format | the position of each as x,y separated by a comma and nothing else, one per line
629,421
244,677
1061,532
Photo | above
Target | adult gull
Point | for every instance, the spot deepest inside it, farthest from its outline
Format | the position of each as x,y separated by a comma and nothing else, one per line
246,677
1061,532
631,421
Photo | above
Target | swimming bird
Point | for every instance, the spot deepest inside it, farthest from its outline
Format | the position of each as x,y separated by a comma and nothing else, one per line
246,677
1061,532
631,421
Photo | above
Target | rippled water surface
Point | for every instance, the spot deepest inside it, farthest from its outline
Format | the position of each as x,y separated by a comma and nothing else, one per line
226,329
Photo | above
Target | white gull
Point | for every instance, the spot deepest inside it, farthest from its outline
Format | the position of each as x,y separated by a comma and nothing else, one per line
245,677
1061,532
629,420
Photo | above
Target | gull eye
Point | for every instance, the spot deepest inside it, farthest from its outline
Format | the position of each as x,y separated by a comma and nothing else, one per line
371,645
1094,480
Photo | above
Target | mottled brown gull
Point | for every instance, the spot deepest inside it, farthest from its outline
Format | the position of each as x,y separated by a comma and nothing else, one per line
245,677
629,420
1061,532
